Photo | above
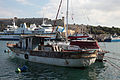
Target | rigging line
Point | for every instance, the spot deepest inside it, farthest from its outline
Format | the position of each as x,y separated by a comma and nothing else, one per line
85,14
117,54
113,65
57,15
89,18
72,13
104,44
118,67
112,58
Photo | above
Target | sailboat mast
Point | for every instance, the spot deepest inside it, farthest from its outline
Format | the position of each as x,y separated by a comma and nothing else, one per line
43,19
14,23
67,20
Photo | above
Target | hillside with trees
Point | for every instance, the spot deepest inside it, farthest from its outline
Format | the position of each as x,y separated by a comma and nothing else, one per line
104,30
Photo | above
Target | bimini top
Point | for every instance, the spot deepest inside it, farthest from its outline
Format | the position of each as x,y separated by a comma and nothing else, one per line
36,36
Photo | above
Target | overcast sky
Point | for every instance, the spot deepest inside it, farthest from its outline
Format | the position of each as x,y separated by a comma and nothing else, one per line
93,12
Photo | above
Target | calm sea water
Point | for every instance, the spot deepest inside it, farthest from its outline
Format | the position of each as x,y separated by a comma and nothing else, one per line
97,71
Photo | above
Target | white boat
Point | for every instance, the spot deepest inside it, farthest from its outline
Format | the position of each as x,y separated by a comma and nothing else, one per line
10,28
37,30
47,27
22,29
14,32
33,48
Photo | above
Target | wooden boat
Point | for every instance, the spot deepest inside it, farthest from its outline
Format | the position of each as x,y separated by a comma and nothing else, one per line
36,49
33,48
85,42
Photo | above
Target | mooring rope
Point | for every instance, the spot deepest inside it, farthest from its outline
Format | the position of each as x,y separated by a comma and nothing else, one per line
113,64
117,54
112,58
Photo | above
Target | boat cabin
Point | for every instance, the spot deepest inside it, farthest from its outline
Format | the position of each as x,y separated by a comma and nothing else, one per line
38,42
31,42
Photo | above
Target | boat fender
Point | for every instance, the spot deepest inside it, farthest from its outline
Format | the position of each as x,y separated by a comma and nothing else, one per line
62,50
26,56
54,48
66,62
23,69
18,70
6,51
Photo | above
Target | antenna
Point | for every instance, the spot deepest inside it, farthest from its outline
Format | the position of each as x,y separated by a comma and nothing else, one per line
43,19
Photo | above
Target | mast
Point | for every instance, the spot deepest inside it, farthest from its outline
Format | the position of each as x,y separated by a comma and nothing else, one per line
67,21
57,15
14,23
43,19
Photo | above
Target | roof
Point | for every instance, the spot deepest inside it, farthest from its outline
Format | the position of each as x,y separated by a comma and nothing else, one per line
37,36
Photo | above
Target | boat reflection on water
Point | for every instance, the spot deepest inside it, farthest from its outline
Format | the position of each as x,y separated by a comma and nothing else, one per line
49,72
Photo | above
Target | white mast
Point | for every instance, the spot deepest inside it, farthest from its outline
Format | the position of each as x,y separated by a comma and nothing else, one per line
14,23
43,19
67,20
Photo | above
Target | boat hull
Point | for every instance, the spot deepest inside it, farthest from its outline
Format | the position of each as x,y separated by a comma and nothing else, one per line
68,59
82,62
112,40
100,56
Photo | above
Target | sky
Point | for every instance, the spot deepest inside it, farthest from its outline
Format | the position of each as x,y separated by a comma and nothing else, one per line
91,12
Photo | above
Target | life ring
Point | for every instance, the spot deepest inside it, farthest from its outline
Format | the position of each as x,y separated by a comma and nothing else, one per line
26,56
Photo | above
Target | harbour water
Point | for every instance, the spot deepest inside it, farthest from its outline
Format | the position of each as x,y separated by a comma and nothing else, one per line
97,71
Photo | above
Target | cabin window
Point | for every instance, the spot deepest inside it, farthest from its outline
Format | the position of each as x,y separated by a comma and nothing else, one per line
26,43
48,48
